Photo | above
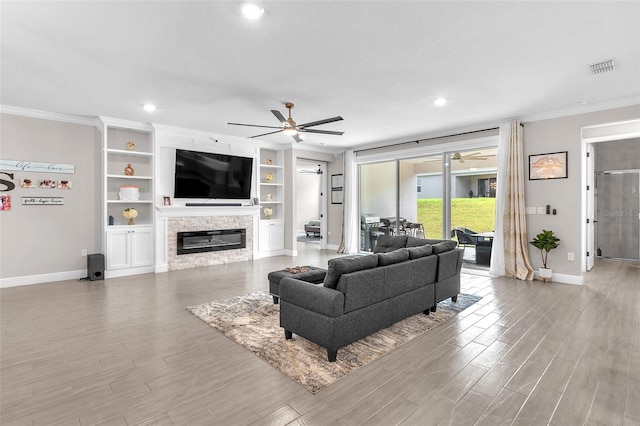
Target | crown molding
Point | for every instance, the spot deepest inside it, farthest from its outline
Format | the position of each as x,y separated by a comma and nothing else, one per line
126,124
581,109
54,116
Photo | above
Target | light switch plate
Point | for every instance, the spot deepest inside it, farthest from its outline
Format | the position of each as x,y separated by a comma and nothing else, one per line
542,210
529,210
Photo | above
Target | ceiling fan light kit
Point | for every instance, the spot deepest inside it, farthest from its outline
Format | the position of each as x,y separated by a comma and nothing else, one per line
291,128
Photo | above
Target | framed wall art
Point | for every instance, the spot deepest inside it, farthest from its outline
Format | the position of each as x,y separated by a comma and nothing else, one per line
548,166
337,181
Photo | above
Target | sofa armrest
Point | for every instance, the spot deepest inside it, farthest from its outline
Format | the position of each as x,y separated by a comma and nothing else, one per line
449,263
314,297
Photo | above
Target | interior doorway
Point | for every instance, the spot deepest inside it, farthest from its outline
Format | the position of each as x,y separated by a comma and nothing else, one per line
311,204
611,168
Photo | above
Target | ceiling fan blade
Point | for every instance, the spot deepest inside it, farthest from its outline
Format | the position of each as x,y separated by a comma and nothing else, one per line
319,122
297,137
265,134
324,132
253,125
280,117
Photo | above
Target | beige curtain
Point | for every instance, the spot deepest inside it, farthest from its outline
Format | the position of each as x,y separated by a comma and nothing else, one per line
516,245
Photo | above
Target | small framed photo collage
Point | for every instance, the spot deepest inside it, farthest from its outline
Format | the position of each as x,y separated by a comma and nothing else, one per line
46,183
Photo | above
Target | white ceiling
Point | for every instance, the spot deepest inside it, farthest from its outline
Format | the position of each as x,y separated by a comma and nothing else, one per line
379,65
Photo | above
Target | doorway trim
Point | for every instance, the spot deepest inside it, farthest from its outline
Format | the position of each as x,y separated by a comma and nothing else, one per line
601,133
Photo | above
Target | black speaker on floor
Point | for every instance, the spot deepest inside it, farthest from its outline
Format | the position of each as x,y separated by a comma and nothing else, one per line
95,267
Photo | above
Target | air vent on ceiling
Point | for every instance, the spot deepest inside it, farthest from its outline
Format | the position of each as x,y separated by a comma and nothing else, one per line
602,66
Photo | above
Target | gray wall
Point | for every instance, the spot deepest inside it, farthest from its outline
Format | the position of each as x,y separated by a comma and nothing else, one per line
617,155
565,195
48,239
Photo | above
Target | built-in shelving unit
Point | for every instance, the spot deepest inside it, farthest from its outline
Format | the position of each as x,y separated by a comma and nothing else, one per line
271,196
127,161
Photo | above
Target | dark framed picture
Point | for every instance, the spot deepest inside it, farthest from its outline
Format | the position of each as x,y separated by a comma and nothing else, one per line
548,166
336,196
337,181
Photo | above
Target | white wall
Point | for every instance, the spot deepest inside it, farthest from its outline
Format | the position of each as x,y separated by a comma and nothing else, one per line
564,195
47,240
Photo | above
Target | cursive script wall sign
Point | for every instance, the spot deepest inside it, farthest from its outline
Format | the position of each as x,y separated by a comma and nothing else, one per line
42,201
31,166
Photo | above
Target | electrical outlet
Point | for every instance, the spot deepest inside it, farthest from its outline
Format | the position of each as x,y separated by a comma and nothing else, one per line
570,256
83,252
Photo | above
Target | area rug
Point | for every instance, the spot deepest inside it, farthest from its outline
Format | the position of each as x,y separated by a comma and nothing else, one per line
253,321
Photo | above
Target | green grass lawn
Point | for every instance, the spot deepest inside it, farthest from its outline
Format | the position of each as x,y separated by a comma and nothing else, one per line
477,214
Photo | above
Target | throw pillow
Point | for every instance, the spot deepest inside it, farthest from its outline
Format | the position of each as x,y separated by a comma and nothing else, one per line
443,246
420,251
387,243
346,264
396,256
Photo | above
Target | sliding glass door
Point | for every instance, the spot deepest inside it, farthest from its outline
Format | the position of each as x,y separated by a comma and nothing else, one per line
438,196
378,201
422,195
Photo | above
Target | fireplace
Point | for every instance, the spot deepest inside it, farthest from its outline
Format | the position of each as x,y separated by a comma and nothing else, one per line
215,240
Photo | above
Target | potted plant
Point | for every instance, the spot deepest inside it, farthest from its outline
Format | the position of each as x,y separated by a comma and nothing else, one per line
545,242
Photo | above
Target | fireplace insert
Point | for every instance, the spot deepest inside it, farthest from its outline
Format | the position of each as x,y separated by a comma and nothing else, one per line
215,240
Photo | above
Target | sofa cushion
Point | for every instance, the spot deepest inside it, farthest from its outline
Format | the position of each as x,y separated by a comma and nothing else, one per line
420,251
346,264
416,242
443,246
391,257
386,243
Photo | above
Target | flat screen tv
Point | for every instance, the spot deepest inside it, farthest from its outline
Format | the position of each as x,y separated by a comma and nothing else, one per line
208,175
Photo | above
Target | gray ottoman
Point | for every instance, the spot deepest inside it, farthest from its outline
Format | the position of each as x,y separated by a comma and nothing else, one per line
313,275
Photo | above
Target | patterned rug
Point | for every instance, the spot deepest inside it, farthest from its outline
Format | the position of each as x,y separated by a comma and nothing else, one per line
253,321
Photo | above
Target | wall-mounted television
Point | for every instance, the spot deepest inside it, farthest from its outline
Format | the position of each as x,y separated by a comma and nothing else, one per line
209,175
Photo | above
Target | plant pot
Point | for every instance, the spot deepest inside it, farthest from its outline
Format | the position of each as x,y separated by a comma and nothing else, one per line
545,273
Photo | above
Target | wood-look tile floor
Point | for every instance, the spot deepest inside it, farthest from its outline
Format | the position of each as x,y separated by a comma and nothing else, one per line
125,351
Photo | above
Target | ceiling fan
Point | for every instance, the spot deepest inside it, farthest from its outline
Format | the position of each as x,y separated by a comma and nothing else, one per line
473,156
291,128
315,172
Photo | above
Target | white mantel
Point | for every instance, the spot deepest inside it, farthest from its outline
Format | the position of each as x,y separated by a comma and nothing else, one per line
184,211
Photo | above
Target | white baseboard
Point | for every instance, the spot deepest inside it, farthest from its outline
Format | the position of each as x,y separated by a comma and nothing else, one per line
332,247
563,278
43,278
115,273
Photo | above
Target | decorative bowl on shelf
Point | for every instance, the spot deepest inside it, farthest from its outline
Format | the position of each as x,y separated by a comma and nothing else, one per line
129,193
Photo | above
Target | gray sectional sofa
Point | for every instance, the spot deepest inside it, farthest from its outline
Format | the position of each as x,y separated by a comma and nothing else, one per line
363,294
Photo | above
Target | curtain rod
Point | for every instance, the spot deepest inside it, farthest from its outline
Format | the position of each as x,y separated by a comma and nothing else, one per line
431,139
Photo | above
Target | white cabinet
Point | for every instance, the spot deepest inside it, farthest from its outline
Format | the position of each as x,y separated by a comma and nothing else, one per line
128,183
271,236
129,248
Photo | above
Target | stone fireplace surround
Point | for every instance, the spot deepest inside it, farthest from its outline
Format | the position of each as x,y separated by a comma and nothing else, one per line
198,223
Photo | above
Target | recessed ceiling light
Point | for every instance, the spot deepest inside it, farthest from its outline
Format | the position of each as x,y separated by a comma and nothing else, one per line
440,101
149,107
251,11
